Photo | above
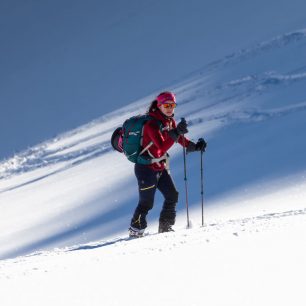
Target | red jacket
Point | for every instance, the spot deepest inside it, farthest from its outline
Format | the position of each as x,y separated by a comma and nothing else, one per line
162,142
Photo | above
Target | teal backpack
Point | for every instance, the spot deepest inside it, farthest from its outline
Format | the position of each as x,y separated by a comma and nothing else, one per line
128,139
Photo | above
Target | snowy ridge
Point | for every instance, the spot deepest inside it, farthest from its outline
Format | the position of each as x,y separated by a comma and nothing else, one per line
266,46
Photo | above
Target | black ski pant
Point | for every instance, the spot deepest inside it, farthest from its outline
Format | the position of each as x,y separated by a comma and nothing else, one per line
148,181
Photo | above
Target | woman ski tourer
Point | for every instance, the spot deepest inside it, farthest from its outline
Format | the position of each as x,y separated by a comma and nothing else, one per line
160,133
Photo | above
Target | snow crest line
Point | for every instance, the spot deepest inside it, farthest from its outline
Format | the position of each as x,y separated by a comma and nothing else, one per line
277,42
234,226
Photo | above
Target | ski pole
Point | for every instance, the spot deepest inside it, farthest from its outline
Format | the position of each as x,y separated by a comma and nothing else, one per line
185,178
202,187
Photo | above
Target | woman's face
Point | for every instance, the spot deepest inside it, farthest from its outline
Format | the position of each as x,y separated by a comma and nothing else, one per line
167,109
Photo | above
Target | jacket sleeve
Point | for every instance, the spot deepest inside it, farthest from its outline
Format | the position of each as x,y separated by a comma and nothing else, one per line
153,132
183,139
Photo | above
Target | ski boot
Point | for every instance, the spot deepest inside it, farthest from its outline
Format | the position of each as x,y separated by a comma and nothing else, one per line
165,226
136,232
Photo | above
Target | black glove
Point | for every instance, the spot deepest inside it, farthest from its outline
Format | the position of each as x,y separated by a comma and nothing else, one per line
182,127
199,146
179,130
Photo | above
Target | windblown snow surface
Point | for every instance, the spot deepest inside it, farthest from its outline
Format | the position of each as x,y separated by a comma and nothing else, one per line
66,203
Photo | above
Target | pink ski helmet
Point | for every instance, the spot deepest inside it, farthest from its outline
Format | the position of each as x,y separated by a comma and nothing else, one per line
165,97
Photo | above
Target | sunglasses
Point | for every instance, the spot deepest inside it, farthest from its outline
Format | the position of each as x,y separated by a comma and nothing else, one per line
169,105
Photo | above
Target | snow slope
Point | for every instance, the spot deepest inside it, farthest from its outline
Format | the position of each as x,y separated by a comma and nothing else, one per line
66,203
250,106
249,261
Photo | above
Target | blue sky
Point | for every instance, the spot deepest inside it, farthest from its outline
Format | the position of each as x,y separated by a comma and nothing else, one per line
64,63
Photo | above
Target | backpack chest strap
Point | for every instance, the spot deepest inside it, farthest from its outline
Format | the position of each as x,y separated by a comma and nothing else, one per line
146,148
